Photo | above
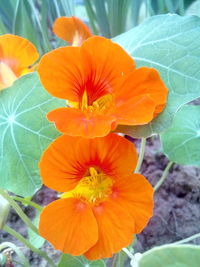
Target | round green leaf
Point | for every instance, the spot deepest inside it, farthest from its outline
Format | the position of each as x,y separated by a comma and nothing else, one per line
170,44
181,142
24,133
171,256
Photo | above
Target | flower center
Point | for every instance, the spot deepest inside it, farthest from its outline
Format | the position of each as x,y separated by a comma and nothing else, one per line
99,105
92,189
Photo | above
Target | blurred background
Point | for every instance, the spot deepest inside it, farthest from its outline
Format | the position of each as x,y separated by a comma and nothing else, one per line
33,19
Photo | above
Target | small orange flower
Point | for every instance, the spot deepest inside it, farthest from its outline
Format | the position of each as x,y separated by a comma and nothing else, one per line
104,204
102,86
71,30
16,56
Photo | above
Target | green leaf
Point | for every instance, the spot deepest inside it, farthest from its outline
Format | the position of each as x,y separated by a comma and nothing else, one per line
23,24
68,260
102,17
194,8
24,133
171,44
171,256
181,142
36,240
3,29
7,13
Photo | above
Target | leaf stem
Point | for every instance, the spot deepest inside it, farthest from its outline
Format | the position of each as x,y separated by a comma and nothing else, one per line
187,239
28,202
164,175
28,244
128,253
19,211
114,260
23,259
141,155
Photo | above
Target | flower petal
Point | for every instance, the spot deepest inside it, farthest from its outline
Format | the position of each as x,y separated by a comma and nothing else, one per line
17,52
68,27
75,122
137,110
61,72
104,63
69,225
116,230
68,159
135,194
7,76
140,96
95,67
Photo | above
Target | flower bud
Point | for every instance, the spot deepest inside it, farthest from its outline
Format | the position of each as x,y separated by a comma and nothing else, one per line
4,210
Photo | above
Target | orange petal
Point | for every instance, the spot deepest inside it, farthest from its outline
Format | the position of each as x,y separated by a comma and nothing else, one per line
75,122
116,230
138,110
135,195
68,159
95,67
61,72
70,28
104,63
17,52
69,225
60,167
141,95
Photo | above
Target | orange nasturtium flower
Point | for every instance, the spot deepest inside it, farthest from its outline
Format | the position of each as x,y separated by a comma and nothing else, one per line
103,203
16,56
71,30
103,87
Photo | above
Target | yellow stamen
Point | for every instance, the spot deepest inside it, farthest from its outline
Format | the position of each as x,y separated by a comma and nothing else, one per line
98,105
92,189
7,75
102,102
84,101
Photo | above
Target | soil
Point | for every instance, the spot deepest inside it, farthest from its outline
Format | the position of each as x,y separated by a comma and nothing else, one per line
176,212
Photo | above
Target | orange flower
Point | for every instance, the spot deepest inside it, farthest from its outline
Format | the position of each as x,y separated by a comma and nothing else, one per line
104,204
103,88
16,56
71,30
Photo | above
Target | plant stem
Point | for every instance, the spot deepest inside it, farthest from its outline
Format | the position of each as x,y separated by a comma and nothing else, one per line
164,175
28,202
114,260
187,239
128,253
23,259
19,211
141,155
28,244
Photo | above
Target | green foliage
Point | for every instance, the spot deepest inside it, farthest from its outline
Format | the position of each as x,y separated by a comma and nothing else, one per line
194,8
34,20
68,260
171,256
25,133
181,142
2,259
35,240
170,44
165,6
22,24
